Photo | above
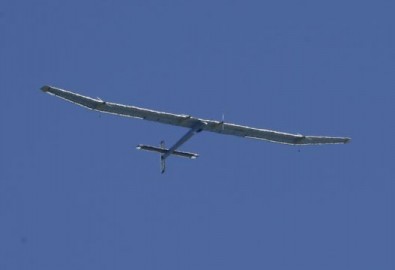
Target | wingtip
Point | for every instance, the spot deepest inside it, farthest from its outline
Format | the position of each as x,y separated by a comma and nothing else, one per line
347,140
45,88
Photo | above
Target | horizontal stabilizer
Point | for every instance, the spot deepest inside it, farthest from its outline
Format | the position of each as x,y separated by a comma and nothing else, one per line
164,151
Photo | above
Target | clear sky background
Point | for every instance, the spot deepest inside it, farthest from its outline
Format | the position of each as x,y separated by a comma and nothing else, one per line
75,194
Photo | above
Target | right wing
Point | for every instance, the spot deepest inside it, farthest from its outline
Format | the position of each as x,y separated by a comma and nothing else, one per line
271,135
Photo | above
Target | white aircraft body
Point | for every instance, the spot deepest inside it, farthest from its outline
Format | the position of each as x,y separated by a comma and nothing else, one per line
194,124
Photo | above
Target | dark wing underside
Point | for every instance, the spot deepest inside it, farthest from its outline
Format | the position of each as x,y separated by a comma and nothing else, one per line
189,121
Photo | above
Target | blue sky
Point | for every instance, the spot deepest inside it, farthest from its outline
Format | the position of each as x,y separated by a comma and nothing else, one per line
75,194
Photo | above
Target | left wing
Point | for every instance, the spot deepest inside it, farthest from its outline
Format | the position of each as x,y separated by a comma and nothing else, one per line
188,121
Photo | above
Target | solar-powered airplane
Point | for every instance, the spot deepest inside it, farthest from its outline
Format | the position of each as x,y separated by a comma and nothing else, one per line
195,125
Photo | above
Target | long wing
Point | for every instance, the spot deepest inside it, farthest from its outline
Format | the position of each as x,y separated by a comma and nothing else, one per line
189,121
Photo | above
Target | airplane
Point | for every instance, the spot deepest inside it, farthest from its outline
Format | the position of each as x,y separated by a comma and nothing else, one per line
194,124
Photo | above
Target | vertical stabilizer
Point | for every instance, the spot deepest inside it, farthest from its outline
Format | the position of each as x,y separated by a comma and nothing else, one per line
162,158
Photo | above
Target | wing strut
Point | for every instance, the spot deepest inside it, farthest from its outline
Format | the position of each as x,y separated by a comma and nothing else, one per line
165,153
